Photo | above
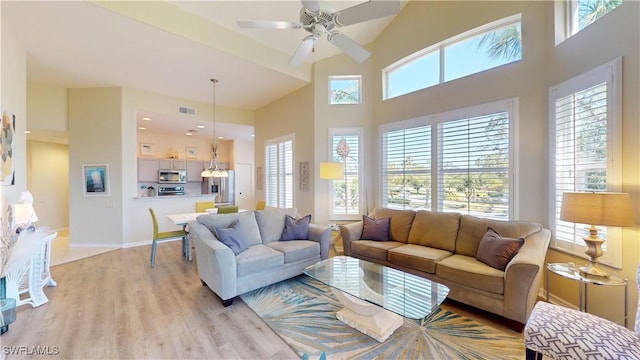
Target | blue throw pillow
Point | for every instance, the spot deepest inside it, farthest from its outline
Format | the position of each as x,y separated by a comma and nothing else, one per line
375,229
296,229
233,237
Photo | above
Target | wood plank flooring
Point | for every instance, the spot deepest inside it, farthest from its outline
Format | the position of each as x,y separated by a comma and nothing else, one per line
114,306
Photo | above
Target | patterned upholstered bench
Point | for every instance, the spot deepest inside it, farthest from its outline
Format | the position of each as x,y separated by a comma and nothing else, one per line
562,333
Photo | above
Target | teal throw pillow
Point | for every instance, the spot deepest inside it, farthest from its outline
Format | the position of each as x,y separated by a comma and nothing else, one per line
375,229
233,237
296,229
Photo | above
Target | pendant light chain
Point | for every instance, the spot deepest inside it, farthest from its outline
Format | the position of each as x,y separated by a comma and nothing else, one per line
214,170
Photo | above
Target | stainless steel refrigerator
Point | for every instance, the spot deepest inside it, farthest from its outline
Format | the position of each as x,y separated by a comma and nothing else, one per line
224,188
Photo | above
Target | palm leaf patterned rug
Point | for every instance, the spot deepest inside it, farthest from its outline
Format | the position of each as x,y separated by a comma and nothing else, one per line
302,311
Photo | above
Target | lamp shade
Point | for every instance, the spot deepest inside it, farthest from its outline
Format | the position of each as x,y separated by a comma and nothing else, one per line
331,171
597,208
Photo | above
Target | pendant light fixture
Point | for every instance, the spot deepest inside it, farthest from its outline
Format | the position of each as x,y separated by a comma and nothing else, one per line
214,170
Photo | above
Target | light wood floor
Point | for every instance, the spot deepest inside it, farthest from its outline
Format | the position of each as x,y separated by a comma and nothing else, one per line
114,306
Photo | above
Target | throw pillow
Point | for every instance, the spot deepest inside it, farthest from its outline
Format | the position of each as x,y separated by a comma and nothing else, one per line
233,237
496,251
296,229
375,229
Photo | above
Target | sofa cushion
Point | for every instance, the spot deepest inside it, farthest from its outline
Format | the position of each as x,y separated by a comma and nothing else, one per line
246,220
417,257
435,229
496,251
232,236
271,222
468,271
296,250
258,258
472,229
400,223
375,229
296,229
372,248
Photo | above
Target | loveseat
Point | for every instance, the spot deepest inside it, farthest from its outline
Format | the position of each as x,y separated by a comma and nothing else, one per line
444,247
265,260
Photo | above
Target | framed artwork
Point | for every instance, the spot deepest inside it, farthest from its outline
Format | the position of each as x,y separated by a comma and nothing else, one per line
259,178
146,149
8,170
95,179
304,176
192,152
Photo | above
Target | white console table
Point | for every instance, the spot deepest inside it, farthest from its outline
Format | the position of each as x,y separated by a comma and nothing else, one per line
30,273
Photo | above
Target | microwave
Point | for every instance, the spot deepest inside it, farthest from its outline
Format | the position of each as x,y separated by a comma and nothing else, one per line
172,176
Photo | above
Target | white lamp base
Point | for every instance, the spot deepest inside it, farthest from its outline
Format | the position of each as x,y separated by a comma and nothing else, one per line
594,250
593,270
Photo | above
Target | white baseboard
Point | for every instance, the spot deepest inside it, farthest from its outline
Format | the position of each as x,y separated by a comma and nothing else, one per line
117,245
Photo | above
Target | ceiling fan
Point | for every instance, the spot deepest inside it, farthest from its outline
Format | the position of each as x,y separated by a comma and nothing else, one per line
318,18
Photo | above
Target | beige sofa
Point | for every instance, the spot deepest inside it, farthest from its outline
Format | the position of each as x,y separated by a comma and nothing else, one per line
443,247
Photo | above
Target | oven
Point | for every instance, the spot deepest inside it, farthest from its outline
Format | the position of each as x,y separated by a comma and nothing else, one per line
170,190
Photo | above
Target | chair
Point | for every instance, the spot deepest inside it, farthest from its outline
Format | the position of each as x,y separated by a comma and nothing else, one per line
227,209
202,206
562,333
261,205
165,235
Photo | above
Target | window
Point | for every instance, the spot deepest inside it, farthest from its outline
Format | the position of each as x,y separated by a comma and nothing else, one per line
586,148
344,89
461,159
476,50
279,175
345,147
586,12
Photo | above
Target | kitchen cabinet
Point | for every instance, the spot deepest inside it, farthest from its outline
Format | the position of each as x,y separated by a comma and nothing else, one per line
172,164
194,169
147,170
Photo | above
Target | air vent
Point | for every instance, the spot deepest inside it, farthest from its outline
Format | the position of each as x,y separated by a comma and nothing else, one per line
186,110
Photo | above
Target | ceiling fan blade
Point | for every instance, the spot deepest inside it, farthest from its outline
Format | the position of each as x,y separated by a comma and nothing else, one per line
367,11
311,5
302,51
250,24
350,47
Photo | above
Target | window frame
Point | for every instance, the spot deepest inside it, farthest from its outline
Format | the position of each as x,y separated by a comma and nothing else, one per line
441,46
567,21
280,184
611,73
332,156
506,105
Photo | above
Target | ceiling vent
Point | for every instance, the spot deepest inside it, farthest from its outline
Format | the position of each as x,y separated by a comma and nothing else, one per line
186,110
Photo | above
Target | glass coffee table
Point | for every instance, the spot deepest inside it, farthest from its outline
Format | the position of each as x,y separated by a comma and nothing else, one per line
377,297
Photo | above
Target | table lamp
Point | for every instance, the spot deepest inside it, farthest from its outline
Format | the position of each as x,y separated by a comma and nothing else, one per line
331,171
596,208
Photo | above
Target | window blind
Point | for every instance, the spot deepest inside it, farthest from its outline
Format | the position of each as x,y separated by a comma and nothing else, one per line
279,175
345,201
473,165
581,153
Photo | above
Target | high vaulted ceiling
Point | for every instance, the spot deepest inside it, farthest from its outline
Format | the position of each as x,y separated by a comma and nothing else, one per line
172,48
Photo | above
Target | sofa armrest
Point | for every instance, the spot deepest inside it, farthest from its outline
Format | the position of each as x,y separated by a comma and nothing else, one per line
350,232
322,235
216,262
523,274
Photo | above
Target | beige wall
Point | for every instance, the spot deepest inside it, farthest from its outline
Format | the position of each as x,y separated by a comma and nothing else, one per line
47,106
164,143
293,114
95,137
13,96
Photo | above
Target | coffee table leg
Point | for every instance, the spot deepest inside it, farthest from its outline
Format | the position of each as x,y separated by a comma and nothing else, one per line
369,319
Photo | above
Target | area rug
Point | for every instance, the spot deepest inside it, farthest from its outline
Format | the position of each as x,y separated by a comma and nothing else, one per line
302,311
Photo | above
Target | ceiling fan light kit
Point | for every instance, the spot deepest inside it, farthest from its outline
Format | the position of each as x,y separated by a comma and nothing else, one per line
319,18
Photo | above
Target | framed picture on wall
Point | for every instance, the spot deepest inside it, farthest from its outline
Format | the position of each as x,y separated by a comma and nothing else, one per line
192,152
95,179
146,149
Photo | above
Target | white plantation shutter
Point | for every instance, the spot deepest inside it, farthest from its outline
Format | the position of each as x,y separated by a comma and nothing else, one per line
461,158
406,161
279,175
585,145
473,163
345,202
